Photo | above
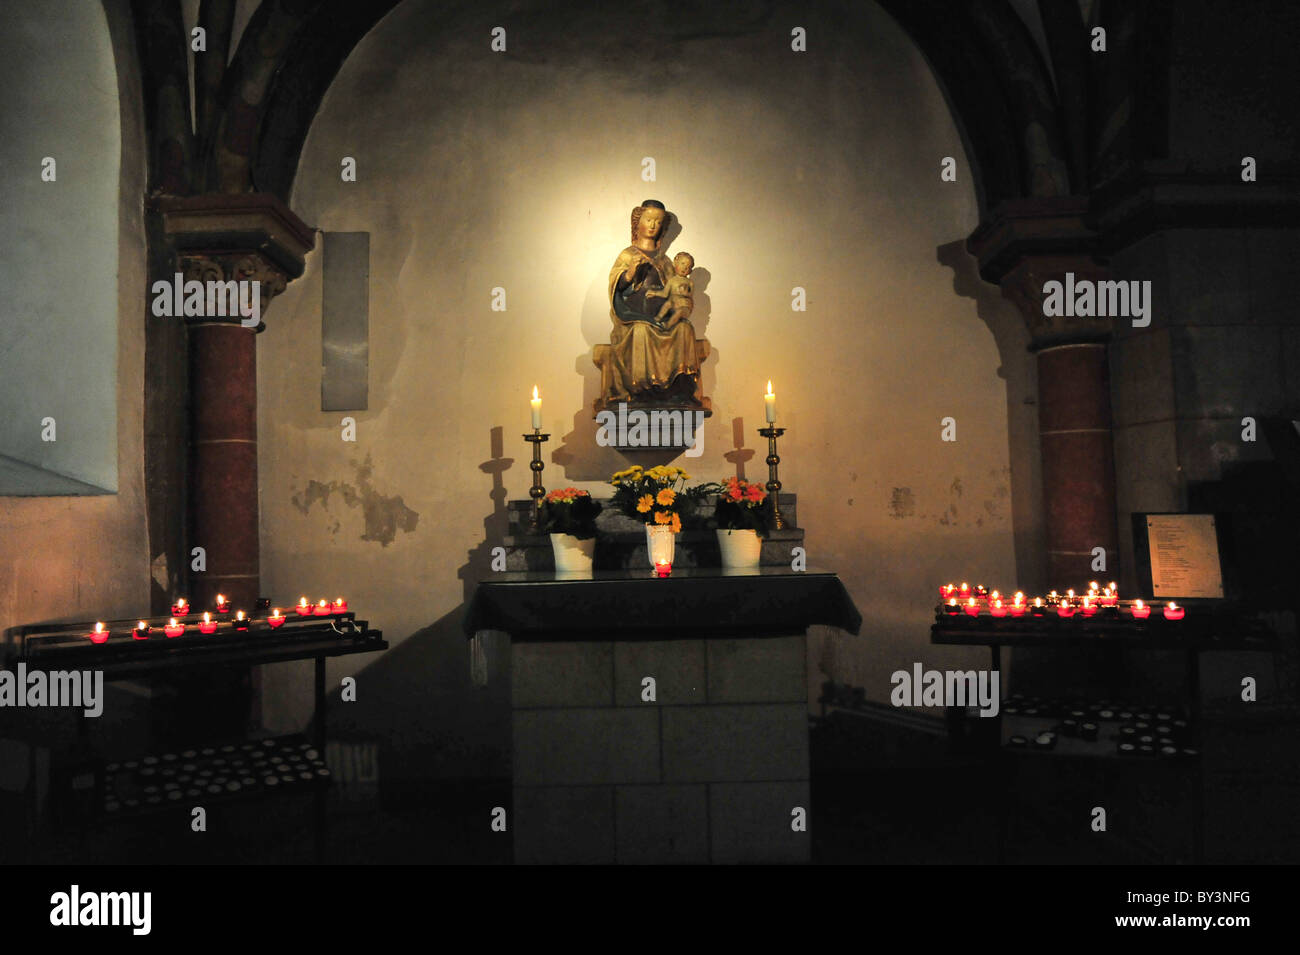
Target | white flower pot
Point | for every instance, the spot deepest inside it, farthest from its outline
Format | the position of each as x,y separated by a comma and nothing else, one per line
740,549
571,553
659,543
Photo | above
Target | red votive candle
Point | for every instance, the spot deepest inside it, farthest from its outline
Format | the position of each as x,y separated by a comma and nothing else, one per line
972,608
1065,609
1110,596
1089,607
1174,612
322,609
241,621
207,624
181,607
964,591
276,619
141,631
1038,610
1018,604
981,593
951,607
174,629
997,609
223,605
663,568
340,606
947,592
303,608
99,634
1140,610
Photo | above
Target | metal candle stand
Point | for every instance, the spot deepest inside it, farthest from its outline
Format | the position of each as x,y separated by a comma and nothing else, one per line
773,480
536,466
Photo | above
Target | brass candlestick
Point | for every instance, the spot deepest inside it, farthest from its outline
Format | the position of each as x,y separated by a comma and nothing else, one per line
537,492
772,432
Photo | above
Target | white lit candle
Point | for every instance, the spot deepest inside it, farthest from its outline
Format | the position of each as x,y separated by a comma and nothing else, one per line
537,410
769,400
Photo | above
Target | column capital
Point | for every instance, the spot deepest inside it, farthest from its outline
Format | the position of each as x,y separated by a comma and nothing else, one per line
1025,285
224,237
1025,243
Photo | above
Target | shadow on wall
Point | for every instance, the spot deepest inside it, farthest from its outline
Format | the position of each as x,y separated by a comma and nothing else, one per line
431,670
1019,370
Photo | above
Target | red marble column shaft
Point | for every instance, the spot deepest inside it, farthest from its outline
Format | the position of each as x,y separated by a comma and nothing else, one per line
223,462
1078,462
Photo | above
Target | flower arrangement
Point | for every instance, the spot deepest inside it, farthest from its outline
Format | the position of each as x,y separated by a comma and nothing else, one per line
569,511
655,495
742,505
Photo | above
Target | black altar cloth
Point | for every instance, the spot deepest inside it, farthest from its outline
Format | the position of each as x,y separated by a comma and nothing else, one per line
634,604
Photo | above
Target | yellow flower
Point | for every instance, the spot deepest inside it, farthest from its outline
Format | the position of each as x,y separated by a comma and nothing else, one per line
662,517
644,503
665,497
677,524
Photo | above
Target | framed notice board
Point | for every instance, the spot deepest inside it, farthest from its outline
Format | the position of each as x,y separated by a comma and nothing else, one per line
1181,556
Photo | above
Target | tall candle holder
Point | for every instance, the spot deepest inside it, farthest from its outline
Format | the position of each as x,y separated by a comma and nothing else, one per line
537,492
773,480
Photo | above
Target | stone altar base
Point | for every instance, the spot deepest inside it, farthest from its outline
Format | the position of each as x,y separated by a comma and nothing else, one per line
712,770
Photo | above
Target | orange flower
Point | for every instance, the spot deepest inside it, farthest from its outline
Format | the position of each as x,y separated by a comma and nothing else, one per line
663,517
677,524
755,493
644,503
735,493
665,497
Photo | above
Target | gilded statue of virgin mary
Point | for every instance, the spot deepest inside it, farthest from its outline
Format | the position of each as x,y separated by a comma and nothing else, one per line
647,361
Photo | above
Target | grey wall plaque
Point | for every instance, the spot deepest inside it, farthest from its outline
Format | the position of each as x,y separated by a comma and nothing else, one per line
345,321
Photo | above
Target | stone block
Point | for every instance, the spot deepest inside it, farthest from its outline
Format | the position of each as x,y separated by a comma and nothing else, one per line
568,673
676,665
1145,260
1272,255
1227,371
582,747
1291,367
563,825
1208,279
1207,445
1141,377
735,742
752,822
658,825
758,670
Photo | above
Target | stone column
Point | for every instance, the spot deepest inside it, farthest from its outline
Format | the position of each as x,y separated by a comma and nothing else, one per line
1074,422
223,238
1021,246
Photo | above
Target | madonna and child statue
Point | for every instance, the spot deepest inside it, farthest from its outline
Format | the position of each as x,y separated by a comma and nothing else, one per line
653,357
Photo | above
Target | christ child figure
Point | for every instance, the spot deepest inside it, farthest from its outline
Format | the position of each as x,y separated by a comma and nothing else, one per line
680,291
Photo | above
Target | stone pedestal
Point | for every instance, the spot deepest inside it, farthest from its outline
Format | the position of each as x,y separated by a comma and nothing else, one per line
660,720
712,769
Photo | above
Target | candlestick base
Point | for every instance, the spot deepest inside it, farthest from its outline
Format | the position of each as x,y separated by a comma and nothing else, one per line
537,492
772,432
